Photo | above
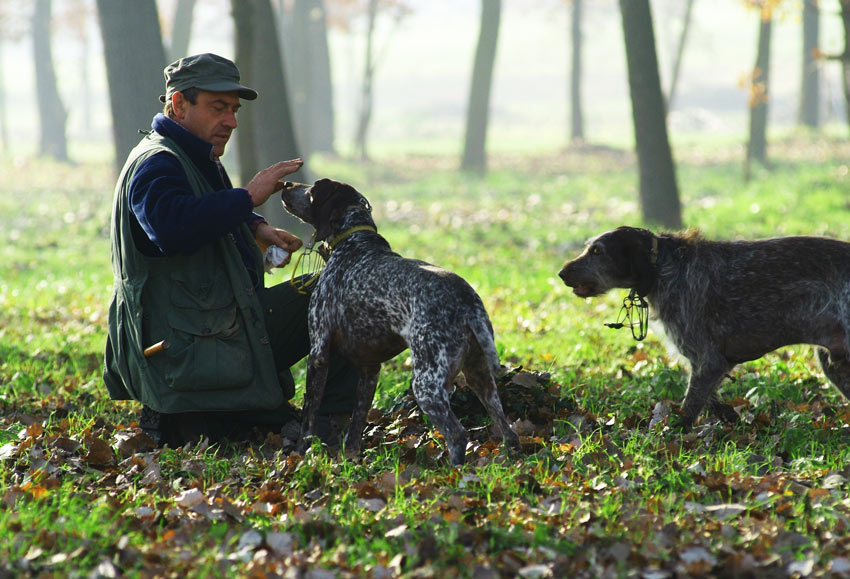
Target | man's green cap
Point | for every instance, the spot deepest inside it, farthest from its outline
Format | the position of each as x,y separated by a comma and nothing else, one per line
207,72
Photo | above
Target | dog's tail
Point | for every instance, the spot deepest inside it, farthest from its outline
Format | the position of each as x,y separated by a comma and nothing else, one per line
483,332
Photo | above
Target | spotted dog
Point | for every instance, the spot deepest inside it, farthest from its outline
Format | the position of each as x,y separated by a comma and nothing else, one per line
723,303
370,304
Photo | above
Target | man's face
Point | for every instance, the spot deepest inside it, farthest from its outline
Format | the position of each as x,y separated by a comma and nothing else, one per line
212,118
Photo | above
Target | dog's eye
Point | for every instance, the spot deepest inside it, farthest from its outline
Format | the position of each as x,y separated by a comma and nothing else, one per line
595,250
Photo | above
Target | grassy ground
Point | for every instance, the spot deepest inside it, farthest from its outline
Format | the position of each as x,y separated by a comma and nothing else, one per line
600,488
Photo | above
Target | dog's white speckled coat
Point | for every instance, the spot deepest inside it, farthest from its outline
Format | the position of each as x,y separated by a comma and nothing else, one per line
370,304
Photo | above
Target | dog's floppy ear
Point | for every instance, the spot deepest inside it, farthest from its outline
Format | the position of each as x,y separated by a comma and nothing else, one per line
324,192
642,249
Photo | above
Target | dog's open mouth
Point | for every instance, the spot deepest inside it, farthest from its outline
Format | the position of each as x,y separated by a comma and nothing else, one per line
584,291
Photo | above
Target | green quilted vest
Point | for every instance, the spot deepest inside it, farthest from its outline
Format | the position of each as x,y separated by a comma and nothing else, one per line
203,305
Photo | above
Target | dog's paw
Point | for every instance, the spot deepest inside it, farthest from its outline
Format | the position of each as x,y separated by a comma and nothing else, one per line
724,412
681,423
305,443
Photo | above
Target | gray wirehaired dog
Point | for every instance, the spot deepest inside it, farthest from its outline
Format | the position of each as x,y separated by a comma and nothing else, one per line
371,304
723,303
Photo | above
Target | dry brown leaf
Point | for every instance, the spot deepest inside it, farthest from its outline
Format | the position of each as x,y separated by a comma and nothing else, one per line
99,453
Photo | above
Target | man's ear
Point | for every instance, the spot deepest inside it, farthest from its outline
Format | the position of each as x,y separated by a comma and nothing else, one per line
179,104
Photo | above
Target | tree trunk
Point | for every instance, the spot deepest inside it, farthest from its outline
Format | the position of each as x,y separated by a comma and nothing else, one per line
181,29
310,76
52,141
246,145
809,115
845,57
659,193
4,118
576,116
759,94
85,76
478,111
365,117
268,119
321,86
135,58
680,52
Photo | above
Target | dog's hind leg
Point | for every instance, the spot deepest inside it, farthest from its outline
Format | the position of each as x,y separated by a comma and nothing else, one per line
837,369
365,395
429,389
480,380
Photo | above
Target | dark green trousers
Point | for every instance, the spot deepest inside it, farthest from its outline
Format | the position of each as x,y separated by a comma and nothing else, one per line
285,312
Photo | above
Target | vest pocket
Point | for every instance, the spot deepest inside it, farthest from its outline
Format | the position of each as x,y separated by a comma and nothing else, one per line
209,350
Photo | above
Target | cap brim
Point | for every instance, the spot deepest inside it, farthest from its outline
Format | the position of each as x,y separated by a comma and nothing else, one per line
246,93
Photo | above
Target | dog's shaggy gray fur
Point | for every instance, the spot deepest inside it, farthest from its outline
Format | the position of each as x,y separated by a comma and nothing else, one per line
723,303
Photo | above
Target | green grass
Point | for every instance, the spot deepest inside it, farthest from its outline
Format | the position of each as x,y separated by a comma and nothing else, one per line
596,490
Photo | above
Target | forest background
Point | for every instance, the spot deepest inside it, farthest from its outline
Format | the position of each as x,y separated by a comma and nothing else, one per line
604,486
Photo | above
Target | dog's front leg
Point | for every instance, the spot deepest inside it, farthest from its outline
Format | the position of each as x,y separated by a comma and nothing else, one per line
317,377
365,395
706,376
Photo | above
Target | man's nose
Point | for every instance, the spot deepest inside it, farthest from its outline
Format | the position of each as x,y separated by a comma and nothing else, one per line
230,120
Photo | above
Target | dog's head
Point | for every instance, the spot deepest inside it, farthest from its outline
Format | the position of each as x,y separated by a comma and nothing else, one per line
622,258
326,206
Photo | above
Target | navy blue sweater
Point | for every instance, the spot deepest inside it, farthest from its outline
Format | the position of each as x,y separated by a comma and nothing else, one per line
169,218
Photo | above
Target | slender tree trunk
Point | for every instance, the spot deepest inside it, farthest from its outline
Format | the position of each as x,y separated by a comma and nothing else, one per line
181,30
576,116
478,112
759,96
322,116
845,57
246,143
135,58
268,118
659,193
680,52
85,77
309,74
4,119
810,78
52,112
297,45
366,97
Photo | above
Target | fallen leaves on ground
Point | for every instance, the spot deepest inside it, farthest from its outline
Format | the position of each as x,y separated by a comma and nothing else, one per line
589,496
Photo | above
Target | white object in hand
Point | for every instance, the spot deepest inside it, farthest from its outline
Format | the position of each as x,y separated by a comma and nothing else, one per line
274,257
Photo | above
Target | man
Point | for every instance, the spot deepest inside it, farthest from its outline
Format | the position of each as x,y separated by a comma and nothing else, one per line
193,334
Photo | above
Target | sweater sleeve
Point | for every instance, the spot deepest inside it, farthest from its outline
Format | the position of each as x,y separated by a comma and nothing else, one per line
173,218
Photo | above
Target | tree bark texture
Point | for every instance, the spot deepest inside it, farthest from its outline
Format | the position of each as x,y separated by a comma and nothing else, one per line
267,119
135,58
51,111
845,57
576,115
246,145
366,95
659,193
181,30
680,53
810,78
759,96
310,77
478,112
